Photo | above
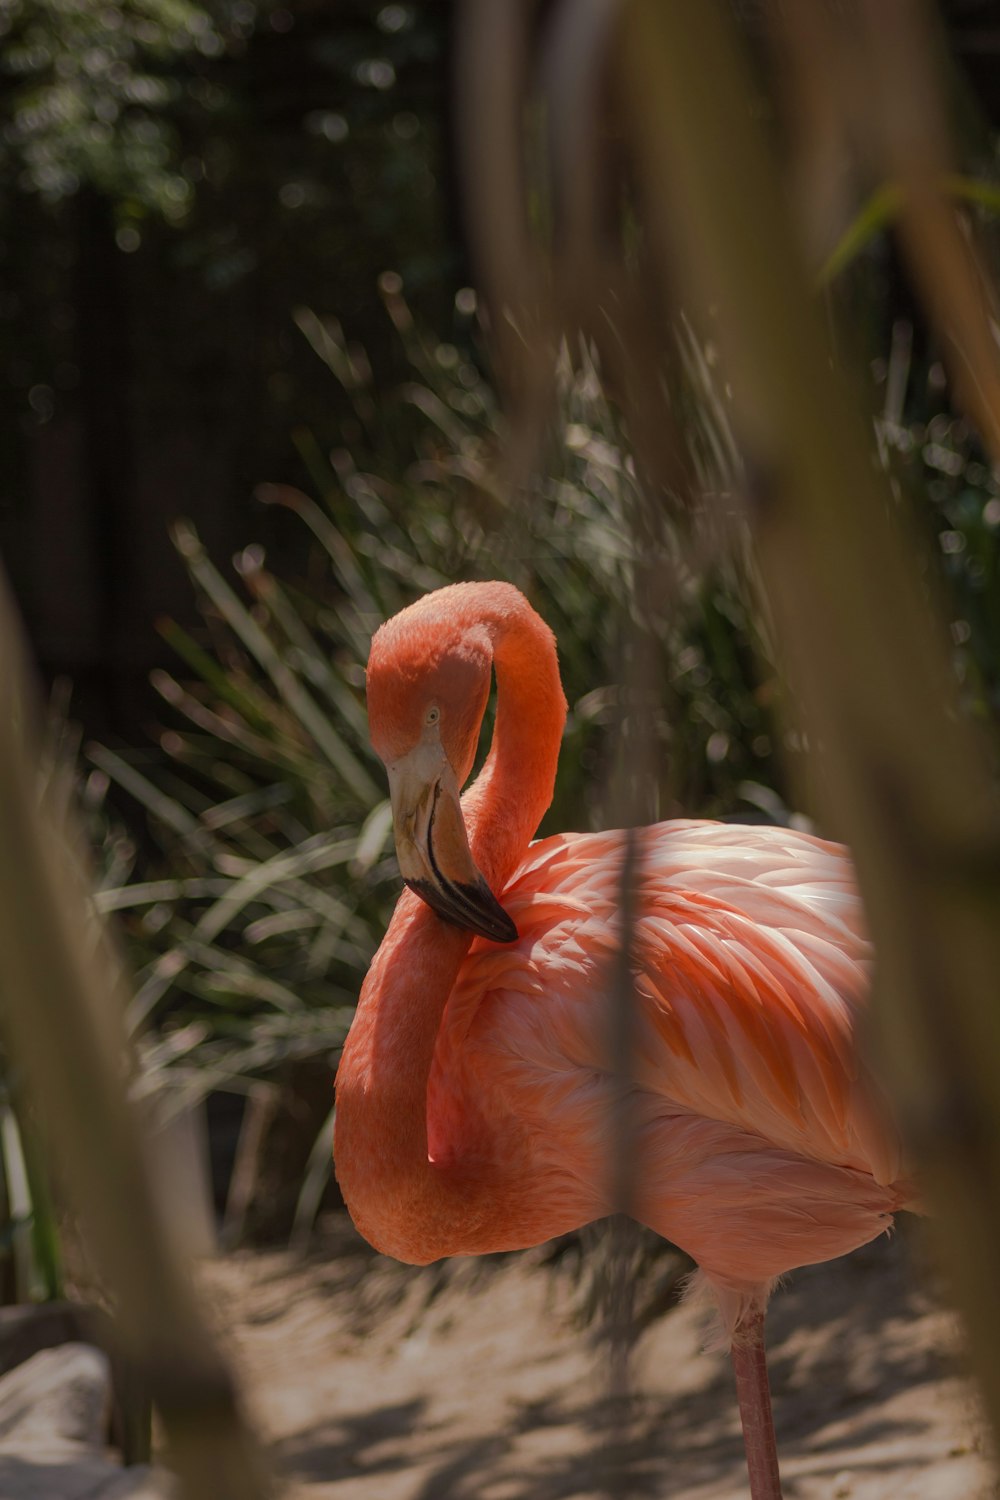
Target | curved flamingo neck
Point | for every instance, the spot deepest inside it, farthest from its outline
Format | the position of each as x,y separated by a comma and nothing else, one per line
512,793
403,1203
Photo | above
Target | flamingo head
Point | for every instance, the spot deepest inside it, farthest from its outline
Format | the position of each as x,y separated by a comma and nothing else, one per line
428,684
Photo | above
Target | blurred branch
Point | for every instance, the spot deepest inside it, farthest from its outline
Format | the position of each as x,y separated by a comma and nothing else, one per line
596,295
906,779
64,999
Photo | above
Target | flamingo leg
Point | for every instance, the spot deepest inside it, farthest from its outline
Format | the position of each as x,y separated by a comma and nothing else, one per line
754,1396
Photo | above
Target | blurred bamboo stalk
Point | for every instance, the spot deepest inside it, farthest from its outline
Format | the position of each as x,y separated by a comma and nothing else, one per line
492,95
546,237
905,778
64,1001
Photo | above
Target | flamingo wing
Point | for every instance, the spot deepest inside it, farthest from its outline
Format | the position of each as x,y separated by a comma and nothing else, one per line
751,968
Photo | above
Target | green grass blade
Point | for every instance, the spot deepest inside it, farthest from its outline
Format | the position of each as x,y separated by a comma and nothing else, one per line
298,700
307,656
165,809
326,339
314,1183
248,805
251,706
318,853
345,562
149,892
372,839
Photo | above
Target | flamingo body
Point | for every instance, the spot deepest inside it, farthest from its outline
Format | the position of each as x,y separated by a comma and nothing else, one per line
475,1092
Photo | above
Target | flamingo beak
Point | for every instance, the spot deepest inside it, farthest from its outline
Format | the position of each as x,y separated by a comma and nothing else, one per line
433,848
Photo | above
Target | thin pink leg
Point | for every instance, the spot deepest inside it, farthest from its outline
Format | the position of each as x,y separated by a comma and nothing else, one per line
754,1396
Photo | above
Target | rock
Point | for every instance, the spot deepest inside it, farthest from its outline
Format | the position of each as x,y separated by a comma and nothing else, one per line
54,1412
59,1475
57,1395
28,1327
139,1483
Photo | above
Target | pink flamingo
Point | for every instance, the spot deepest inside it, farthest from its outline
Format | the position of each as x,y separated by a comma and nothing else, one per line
474,1091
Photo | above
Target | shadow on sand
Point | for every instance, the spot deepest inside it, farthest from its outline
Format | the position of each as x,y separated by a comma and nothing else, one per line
564,1447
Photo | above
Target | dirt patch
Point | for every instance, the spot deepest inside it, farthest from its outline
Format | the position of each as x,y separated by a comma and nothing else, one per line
371,1381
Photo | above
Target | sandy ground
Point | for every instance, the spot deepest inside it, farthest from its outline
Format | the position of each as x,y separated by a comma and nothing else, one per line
374,1382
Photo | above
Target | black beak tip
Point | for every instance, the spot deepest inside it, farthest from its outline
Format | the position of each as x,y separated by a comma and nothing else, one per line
494,923
508,930
472,907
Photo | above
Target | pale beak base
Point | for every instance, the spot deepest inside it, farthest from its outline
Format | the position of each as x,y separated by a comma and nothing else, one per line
433,848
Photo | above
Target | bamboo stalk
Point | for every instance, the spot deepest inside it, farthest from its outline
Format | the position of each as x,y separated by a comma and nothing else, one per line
905,778
64,1000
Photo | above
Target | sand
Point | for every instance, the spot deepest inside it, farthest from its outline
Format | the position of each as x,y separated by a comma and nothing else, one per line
373,1381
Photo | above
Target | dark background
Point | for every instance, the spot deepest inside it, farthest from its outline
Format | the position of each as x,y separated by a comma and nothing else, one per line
177,181
219,175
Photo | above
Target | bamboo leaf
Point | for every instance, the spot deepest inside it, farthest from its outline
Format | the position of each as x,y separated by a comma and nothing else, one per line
884,205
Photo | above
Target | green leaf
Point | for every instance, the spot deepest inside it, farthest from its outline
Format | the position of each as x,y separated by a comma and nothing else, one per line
885,205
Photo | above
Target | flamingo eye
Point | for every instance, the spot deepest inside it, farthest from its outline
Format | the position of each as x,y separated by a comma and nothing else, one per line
433,714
